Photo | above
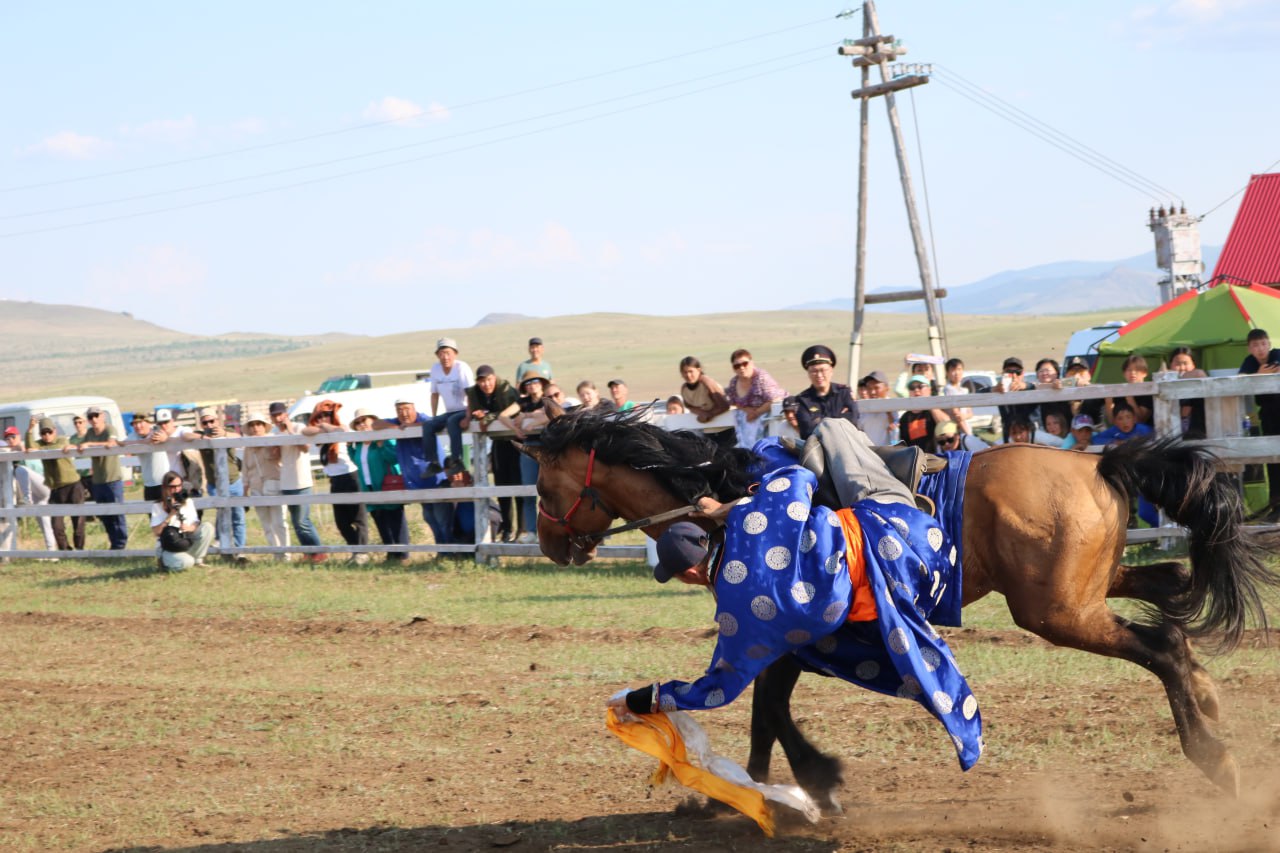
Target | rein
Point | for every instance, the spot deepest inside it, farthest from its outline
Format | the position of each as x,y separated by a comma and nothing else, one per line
586,540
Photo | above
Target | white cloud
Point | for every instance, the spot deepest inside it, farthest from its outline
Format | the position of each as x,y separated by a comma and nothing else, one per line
151,271
71,145
1219,25
405,112
164,130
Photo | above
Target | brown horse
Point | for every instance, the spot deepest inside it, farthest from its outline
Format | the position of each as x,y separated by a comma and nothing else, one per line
1043,527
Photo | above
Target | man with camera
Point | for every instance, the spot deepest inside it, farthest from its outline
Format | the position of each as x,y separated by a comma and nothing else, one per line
182,538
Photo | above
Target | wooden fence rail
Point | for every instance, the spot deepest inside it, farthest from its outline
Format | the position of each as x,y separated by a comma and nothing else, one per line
1224,407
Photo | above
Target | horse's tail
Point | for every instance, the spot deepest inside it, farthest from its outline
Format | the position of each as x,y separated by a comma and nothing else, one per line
1227,569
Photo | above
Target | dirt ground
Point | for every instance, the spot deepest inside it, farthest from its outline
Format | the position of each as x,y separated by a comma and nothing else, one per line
271,736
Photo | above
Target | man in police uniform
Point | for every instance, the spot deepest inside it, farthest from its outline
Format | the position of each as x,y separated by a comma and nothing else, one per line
823,398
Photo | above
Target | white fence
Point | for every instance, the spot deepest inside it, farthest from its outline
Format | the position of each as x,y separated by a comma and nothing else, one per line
1224,409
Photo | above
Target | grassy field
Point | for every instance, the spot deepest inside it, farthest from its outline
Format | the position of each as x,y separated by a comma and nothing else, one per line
644,350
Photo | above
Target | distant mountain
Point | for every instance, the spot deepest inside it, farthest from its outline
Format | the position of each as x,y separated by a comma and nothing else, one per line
1061,287
498,318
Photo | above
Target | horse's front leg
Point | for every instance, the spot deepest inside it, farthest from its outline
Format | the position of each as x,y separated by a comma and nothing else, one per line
819,774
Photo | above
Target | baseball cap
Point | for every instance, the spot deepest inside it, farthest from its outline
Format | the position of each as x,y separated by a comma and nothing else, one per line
944,429
1010,364
93,410
917,380
277,407
535,342
46,423
163,416
878,376
141,416
1083,422
484,370
13,430
613,382
682,546
446,342
405,401
817,354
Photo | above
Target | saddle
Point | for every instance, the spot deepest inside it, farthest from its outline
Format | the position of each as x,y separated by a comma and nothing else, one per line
907,465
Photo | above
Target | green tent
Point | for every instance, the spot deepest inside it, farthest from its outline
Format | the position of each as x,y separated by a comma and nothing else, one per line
1213,323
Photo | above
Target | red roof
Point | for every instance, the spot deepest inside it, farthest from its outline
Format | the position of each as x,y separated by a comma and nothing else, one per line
1252,252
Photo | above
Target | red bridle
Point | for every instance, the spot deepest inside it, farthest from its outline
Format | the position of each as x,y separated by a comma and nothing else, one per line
587,492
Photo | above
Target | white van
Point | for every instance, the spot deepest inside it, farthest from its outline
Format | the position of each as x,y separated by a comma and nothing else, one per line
1084,343
62,410
376,392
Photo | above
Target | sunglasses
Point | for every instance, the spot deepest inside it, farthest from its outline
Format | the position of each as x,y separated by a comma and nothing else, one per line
46,432
738,365
950,439
207,422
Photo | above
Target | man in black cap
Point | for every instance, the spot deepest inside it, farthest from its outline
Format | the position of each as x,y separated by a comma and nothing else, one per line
108,477
823,398
534,360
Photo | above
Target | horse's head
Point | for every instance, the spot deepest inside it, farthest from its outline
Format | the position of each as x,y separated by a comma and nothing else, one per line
571,505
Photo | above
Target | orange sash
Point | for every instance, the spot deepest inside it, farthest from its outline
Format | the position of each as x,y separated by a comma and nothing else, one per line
864,600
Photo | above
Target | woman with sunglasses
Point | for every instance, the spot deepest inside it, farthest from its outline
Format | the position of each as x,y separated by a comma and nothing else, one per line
754,392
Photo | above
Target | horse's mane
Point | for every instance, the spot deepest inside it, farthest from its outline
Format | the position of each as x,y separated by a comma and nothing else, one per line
687,463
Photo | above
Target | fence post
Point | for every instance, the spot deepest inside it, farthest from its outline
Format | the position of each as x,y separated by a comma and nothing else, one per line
8,526
480,477
1167,420
222,482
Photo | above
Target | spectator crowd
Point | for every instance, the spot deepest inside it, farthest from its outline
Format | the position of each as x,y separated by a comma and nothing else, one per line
172,472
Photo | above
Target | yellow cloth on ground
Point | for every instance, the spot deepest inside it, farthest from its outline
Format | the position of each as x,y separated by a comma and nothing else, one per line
654,734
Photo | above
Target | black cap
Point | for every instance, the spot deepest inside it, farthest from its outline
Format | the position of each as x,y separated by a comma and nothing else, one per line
613,382
535,341
277,407
681,547
817,354
484,370
1011,363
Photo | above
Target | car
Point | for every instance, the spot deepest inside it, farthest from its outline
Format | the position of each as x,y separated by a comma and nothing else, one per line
982,382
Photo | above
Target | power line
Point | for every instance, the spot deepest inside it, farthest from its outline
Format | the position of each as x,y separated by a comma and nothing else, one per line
1237,192
1034,131
339,131
348,158
382,166
1054,136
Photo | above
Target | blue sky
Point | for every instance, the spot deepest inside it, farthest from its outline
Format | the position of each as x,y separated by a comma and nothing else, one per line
378,168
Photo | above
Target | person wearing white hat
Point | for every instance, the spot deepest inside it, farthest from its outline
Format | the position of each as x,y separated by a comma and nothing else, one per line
450,379
261,476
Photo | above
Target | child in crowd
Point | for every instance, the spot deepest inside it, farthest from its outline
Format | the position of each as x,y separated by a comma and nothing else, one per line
1124,426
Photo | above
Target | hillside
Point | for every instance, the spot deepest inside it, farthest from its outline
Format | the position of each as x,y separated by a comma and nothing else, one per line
644,350
53,345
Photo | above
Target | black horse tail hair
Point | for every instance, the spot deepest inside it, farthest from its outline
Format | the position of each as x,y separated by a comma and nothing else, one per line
1228,573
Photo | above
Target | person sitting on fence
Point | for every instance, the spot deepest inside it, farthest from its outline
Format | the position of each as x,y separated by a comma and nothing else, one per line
261,476
63,480
295,478
351,520
378,471
1142,405
181,537
450,379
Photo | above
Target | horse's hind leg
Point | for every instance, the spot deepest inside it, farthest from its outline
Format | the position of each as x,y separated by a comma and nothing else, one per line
817,773
1157,583
1160,649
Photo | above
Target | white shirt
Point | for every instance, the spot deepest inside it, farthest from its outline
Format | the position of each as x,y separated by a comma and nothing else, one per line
186,514
452,386
295,461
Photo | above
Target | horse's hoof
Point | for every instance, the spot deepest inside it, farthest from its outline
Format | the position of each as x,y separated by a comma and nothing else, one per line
830,805
1225,774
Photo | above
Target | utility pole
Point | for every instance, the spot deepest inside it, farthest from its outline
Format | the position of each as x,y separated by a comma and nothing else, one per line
875,49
